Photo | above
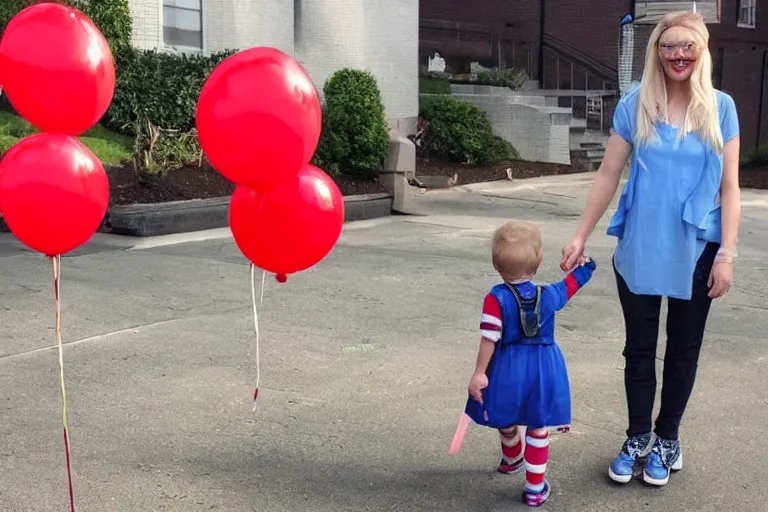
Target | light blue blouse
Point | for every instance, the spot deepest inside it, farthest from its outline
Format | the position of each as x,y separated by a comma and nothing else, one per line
670,206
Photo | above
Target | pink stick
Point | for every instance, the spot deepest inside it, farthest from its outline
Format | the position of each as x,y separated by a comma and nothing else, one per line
461,432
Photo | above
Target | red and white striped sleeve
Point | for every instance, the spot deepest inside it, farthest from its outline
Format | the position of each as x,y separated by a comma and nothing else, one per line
490,320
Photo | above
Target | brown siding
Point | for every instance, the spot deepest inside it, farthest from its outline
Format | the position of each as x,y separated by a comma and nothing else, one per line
591,26
513,26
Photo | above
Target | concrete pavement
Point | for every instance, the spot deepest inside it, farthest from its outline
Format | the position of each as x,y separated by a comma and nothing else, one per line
365,361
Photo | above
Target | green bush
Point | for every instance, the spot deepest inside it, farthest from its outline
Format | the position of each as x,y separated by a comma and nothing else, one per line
355,139
113,17
512,78
434,86
431,82
159,88
10,8
158,151
459,131
757,158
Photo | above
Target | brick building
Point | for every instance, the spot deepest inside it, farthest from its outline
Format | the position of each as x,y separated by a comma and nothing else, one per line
323,36
573,44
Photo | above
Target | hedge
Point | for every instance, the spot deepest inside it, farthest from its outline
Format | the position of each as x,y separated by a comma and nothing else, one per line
113,17
159,88
757,158
459,132
355,138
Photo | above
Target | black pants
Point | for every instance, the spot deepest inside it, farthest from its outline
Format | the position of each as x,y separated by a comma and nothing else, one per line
686,320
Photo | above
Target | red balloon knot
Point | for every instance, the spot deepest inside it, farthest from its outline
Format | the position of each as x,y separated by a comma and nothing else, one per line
281,278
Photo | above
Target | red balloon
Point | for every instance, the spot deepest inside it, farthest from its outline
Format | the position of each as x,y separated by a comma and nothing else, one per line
290,228
53,192
259,118
56,68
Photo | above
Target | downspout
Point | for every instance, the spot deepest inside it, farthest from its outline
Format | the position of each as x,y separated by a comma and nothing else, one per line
540,67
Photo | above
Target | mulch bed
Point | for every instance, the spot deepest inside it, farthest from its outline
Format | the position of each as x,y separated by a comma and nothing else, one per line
748,178
204,182
753,178
472,174
193,182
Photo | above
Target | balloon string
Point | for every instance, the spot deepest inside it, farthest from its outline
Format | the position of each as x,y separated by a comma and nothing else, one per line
56,260
255,346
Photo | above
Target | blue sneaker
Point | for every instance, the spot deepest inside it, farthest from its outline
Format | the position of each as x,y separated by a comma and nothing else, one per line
665,456
623,466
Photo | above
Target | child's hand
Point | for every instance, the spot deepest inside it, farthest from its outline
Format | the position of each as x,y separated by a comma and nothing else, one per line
477,384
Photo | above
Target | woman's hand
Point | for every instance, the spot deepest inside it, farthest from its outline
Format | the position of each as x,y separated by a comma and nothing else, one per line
720,279
573,254
477,384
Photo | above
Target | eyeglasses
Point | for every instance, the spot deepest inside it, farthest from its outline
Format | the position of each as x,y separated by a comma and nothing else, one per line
670,49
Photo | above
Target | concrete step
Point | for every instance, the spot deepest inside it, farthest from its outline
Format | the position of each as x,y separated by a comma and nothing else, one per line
531,85
578,123
588,157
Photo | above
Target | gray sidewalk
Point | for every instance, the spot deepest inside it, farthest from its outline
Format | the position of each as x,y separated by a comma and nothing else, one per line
365,361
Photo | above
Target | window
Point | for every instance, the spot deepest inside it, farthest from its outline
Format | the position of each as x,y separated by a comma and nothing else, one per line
183,23
747,13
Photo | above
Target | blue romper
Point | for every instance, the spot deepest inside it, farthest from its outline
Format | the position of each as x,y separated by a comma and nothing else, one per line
527,376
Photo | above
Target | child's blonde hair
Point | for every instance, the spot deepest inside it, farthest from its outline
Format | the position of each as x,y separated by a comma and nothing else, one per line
516,251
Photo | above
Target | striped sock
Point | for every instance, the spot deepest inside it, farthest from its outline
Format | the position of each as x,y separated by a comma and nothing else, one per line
511,444
536,456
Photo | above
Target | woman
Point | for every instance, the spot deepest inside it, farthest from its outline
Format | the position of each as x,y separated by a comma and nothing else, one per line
677,226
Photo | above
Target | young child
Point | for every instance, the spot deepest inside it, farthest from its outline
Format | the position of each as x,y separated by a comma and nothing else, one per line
520,378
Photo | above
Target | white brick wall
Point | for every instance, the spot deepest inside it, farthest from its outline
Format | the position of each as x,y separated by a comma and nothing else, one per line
382,37
227,24
324,35
241,24
147,23
539,133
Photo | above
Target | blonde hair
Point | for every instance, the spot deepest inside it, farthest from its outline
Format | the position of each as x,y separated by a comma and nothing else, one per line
516,251
701,116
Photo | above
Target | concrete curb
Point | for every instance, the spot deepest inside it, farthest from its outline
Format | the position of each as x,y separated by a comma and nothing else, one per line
144,220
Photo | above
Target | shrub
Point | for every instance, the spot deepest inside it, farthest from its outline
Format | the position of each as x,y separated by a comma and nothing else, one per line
355,139
10,8
6,143
113,17
159,88
328,147
512,78
158,151
431,82
459,131
757,158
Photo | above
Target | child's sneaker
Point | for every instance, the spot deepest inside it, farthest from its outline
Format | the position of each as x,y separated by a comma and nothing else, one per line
665,456
623,466
510,467
536,499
